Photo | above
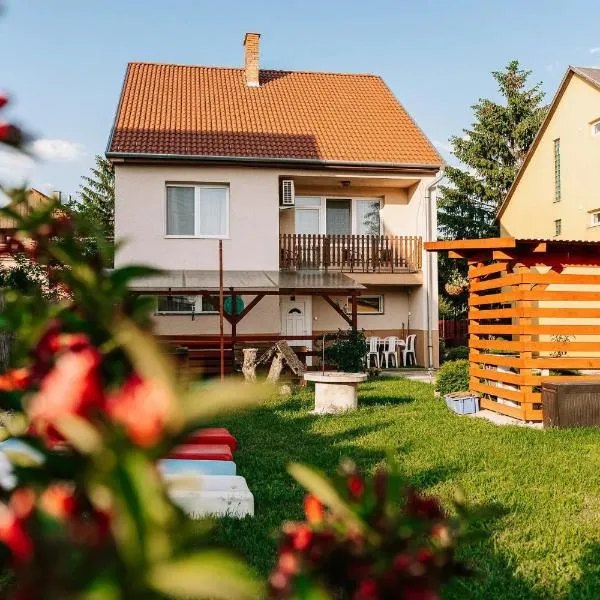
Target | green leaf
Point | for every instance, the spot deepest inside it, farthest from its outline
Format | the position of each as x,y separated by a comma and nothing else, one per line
81,434
215,398
316,483
207,574
122,276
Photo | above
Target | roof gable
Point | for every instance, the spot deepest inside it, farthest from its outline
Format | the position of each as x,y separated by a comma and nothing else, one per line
589,75
188,111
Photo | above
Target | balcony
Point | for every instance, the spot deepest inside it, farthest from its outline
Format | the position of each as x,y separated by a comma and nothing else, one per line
351,253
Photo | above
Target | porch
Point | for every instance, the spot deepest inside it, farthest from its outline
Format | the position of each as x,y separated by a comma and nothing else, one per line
351,253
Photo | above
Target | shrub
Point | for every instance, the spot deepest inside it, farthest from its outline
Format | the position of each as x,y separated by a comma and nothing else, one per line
458,353
348,351
365,538
453,376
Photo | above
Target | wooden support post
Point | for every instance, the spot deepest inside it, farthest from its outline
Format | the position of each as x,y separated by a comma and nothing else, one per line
525,373
473,266
339,311
234,322
221,312
354,313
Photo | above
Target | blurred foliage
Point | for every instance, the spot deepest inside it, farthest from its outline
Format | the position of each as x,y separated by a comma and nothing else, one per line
375,538
84,513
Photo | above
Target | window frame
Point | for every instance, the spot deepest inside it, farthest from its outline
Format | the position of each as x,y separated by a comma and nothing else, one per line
594,213
595,128
380,311
557,171
322,207
557,227
197,187
195,311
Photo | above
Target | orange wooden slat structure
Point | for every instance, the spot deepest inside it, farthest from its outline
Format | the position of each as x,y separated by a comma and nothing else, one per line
526,310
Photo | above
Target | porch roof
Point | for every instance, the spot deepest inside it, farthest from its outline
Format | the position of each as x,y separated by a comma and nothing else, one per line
263,282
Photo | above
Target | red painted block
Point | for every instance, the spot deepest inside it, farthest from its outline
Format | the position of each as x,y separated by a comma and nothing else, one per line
213,435
202,452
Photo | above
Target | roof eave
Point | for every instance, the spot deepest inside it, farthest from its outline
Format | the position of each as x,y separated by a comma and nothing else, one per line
272,160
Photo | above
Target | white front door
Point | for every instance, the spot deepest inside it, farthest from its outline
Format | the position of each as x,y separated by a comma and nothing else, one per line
296,320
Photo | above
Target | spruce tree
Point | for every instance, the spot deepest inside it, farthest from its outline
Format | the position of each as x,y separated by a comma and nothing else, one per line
490,153
97,196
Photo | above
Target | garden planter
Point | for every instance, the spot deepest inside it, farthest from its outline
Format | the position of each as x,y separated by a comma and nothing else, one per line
462,403
335,391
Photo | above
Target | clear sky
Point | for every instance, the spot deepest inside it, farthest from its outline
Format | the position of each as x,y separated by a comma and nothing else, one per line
63,61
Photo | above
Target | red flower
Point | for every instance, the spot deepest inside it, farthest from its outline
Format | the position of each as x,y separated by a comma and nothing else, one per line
22,503
17,379
402,562
423,507
143,406
72,387
313,509
288,563
58,500
10,134
14,535
302,538
356,486
367,590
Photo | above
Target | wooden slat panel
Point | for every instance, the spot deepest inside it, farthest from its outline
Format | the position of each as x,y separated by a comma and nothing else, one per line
493,375
477,300
511,411
532,311
564,296
499,329
498,282
487,270
561,278
527,346
547,362
482,388
496,359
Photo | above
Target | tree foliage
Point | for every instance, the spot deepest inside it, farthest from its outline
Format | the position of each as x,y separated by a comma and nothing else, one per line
96,203
490,154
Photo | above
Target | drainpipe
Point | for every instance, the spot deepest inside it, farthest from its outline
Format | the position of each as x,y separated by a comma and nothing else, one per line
430,257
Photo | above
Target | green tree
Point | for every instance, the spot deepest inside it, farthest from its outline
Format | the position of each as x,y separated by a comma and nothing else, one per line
490,153
96,203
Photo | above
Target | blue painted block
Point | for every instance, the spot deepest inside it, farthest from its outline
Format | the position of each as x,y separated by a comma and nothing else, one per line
462,406
13,446
178,466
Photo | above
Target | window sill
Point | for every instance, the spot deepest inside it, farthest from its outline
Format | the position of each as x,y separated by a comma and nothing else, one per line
182,314
197,237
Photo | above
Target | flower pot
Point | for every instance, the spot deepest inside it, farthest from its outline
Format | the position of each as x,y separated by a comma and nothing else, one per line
462,403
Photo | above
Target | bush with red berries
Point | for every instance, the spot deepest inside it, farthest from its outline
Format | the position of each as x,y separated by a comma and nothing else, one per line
366,539
90,406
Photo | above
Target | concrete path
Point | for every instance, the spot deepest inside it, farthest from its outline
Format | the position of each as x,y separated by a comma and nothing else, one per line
498,419
422,375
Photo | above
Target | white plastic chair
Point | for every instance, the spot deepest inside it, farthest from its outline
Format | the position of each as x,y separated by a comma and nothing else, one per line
390,350
409,350
373,351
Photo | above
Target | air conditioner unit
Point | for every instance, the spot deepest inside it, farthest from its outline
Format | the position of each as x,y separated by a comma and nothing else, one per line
287,192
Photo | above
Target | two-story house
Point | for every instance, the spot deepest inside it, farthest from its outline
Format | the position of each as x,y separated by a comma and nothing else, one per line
320,185
556,194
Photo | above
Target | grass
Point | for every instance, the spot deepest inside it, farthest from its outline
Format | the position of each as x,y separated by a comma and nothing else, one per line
544,486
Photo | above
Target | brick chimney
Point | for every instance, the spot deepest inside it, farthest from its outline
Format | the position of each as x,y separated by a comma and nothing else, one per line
251,59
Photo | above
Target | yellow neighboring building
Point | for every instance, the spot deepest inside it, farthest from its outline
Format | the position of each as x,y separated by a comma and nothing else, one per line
556,194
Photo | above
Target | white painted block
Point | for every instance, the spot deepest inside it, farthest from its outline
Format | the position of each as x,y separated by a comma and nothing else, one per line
211,495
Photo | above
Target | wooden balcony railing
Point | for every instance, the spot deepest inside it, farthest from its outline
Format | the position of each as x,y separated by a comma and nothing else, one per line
351,253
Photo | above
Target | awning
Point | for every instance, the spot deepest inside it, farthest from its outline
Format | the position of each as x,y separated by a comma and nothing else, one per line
260,282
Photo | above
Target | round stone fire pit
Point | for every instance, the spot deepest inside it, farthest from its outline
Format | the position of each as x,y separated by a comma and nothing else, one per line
335,392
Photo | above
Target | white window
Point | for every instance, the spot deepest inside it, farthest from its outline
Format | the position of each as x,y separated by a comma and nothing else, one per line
186,305
557,227
198,211
337,216
366,305
596,128
595,218
307,214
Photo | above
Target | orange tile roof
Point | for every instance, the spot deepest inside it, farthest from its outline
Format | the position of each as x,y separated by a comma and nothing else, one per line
210,112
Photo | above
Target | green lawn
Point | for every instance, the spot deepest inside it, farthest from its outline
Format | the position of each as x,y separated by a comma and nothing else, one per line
543,486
